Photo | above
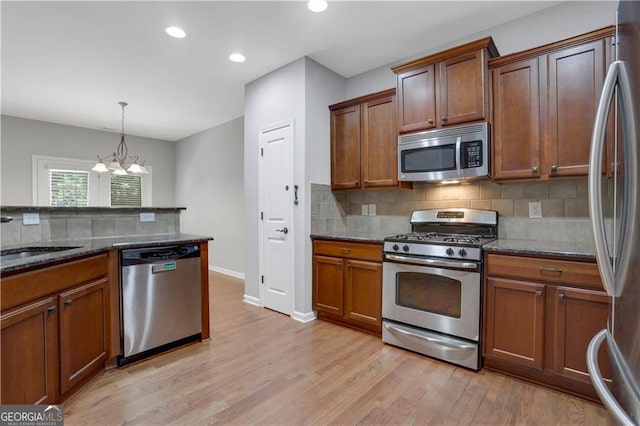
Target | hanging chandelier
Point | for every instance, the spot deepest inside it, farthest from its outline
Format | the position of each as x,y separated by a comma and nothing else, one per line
121,162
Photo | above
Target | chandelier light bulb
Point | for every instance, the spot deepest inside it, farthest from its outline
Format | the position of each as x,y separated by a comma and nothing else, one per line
175,32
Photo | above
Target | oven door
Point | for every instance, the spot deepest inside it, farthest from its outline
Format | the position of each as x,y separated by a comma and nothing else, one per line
436,297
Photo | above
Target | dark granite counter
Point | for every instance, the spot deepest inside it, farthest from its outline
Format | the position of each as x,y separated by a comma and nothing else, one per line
85,247
366,237
90,209
572,250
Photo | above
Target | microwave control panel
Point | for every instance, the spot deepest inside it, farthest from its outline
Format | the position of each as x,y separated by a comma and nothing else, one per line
471,154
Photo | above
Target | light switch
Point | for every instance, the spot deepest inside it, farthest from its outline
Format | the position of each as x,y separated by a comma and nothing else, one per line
30,218
372,209
147,217
535,209
365,210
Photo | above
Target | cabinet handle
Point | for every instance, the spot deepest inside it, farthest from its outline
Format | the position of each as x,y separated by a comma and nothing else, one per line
366,182
534,169
444,119
68,302
51,309
552,270
345,250
430,121
357,182
538,293
554,168
561,296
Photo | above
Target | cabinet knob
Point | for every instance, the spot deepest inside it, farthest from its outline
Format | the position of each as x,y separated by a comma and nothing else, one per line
554,168
366,182
561,296
430,121
68,302
534,169
444,119
538,293
345,250
51,309
340,264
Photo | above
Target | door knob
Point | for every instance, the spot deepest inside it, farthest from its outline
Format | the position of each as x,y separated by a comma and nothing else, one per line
283,230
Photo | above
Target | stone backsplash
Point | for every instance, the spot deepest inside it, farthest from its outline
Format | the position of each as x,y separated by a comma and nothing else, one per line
564,208
71,224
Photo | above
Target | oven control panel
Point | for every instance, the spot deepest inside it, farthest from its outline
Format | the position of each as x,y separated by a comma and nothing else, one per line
434,250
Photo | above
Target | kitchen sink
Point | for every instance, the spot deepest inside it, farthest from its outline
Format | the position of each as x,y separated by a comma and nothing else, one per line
25,252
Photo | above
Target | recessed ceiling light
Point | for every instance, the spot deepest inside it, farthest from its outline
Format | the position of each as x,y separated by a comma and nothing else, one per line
175,32
237,57
317,5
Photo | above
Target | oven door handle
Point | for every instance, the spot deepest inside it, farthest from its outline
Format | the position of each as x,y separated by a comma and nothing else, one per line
432,262
429,339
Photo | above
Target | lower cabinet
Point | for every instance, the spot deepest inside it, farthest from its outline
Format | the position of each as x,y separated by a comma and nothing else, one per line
539,317
347,283
53,344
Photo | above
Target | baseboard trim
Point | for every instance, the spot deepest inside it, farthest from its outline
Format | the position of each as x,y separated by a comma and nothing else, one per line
303,317
250,300
225,271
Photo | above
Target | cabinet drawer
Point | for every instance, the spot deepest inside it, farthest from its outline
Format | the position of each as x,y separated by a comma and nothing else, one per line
546,270
360,251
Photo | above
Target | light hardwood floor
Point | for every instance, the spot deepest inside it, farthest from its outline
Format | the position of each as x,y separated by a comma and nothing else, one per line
262,367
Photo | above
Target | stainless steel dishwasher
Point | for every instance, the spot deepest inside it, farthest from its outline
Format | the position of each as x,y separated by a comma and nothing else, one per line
160,299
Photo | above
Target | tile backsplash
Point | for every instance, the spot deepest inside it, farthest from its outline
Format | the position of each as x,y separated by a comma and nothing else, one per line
565,211
70,225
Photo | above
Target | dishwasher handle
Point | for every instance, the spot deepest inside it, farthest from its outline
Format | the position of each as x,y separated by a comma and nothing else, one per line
158,255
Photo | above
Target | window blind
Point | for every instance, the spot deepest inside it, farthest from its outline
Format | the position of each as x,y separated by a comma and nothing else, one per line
68,188
126,191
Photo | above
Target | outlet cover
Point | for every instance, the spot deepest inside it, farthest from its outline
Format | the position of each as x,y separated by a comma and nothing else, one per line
365,210
147,217
372,209
535,209
31,218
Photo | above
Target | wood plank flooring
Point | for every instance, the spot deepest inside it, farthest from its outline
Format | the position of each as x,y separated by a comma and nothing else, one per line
262,367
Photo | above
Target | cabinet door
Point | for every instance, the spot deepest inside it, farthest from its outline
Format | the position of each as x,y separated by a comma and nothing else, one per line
575,78
30,354
516,120
416,91
328,288
83,336
379,143
461,96
514,326
363,292
345,148
578,315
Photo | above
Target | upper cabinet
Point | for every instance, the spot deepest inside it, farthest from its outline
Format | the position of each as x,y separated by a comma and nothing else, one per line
450,87
544,104
364,141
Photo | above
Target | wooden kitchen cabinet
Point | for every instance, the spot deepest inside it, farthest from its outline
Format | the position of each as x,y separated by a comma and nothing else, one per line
449,87
539,316
544,105
364,143
54,330
347,283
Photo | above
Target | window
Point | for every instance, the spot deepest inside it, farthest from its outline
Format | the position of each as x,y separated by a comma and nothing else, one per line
71,183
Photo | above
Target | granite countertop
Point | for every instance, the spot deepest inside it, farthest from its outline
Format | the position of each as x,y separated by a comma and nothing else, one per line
370,237
574,250
84,247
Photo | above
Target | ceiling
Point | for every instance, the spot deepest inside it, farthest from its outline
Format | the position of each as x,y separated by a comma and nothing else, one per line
71,62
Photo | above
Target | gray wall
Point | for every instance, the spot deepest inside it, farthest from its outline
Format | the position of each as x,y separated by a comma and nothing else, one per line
547,26
22,138
210,184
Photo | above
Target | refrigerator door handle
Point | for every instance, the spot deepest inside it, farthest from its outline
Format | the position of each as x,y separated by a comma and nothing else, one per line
603,255
598,382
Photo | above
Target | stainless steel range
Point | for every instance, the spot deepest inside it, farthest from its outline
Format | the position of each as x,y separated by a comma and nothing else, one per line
431,285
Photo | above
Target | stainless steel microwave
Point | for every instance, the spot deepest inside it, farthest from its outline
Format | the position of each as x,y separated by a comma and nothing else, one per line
460,152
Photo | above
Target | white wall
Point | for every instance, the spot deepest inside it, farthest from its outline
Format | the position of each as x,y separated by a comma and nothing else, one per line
21,138
299,91
210,184
547,26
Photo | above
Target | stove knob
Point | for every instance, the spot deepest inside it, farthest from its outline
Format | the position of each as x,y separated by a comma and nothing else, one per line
396,247
450,251
405,247
462,252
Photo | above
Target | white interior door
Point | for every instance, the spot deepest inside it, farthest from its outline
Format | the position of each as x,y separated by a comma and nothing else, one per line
276,257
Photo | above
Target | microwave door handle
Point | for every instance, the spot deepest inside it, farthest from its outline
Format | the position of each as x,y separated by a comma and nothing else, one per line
458,159
595,174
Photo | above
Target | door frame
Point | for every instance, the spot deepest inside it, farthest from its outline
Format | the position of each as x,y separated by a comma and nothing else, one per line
261,208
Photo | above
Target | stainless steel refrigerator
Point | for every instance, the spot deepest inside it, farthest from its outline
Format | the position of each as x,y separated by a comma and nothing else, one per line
616,222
